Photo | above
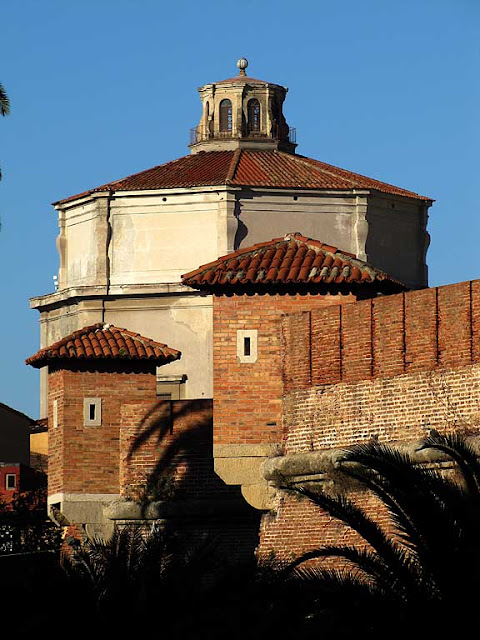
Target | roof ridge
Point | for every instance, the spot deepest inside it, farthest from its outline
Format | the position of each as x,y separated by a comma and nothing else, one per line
343,171
233,165
308,161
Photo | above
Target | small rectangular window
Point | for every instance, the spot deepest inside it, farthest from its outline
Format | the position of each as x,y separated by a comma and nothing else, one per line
55,413
10,481
92,412
247,345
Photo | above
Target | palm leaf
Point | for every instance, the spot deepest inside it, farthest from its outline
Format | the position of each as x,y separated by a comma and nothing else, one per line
4,102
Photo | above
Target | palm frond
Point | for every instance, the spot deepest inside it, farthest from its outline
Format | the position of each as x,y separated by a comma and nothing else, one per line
4,102
456,447
366,562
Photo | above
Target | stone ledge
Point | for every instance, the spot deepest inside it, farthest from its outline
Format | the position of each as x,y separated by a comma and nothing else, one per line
126,510
315,465
101,291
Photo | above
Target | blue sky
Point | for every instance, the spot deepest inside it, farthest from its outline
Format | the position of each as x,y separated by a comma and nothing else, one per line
102,89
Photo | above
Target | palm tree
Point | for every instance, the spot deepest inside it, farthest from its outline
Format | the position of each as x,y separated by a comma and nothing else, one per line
425,565
4,101
4,107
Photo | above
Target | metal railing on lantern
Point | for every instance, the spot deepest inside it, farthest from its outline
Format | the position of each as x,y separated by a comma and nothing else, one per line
200,134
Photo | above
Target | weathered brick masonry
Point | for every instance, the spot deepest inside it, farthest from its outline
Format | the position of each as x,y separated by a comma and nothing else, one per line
248,397
166,449
390,368
85,459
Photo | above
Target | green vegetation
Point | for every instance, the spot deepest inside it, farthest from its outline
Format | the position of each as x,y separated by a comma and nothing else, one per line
4,106
415,571
422,566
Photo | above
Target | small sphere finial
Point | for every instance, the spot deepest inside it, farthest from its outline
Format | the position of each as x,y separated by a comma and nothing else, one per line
242,64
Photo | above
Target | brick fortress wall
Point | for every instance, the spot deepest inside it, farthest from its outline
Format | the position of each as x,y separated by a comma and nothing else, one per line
248,396
390,368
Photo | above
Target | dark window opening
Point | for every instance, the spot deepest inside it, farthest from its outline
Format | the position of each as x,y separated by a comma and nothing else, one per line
254,115
246,346
10,481
225,115
91,411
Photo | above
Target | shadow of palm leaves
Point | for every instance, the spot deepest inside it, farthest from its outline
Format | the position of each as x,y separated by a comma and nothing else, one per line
183,471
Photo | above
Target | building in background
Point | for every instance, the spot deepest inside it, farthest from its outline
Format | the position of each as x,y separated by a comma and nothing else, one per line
123,246
18,472
124,420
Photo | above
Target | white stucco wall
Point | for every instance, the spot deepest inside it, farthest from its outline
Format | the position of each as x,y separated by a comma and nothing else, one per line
122,256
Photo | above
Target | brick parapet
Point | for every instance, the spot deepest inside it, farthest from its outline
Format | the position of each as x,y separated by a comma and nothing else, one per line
391,369
383,337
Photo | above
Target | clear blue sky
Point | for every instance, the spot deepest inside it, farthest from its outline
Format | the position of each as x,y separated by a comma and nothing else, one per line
101,89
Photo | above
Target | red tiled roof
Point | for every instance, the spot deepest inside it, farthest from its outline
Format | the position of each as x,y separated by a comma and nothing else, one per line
246,79
101,342
289,262
248,167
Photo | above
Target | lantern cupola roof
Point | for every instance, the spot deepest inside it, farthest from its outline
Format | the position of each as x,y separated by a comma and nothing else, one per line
242,112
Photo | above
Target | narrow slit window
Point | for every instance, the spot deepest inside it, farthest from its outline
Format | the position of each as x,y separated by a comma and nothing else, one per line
92,412
55,413
10,481
247,349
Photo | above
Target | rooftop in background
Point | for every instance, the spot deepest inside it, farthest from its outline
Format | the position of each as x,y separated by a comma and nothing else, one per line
291,262
248,167
104,342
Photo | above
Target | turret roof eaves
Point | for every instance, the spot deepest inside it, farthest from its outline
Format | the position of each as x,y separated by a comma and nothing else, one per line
291,263
104,342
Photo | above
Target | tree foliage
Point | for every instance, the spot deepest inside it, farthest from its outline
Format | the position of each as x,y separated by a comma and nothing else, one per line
4,106
424,566
4,101
24,525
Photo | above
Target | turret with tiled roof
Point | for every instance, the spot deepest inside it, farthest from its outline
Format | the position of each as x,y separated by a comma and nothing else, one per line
102,342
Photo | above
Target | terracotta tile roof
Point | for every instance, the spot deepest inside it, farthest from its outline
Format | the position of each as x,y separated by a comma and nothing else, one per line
102,342
245,79
248,167
291,262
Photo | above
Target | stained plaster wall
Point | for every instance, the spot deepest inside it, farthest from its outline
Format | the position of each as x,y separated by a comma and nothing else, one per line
397,239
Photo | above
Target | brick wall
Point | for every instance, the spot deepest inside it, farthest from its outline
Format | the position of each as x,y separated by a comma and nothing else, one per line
86,459
298,526
248,396
167,451
390,368
400,408
383,337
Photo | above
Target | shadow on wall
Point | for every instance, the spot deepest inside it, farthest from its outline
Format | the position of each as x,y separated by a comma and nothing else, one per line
170,466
